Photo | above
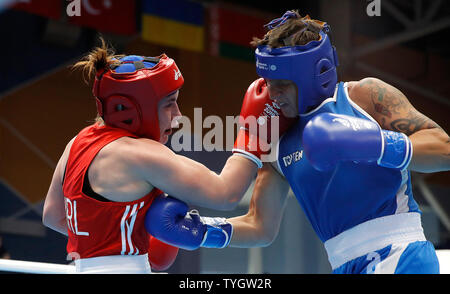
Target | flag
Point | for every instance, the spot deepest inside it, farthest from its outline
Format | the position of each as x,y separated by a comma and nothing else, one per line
175,23
46,8
230,31
113,16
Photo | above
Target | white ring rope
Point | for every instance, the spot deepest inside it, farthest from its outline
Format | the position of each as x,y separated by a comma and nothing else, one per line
32,267
35,267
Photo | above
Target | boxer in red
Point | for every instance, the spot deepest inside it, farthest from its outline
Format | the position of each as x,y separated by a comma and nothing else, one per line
109,174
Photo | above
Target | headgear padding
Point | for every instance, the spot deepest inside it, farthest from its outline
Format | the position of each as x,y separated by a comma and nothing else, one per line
127,93
312,67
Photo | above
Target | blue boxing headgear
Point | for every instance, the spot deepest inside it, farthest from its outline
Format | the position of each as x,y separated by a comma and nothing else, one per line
312,67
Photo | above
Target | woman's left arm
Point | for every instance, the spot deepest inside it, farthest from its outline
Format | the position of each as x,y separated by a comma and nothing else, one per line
54,213
392,110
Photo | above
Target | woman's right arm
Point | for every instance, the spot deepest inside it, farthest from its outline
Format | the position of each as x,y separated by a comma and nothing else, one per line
191,181
260,226
169,220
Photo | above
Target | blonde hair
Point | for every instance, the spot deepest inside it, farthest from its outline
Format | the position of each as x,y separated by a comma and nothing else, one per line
97,59
295,31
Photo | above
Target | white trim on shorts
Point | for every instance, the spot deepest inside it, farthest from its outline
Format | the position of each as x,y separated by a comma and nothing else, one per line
374,235
115,264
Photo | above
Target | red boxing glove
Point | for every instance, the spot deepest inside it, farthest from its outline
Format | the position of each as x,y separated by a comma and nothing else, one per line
161,255
257,117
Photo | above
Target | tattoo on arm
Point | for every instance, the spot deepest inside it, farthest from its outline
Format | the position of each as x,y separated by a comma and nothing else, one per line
380,108
395,111
412,123
448,143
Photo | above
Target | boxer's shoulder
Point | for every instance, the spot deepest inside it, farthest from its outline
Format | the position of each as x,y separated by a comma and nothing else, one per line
132,147
361,93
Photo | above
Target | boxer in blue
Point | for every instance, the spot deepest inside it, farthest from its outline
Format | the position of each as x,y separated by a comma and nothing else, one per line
347,158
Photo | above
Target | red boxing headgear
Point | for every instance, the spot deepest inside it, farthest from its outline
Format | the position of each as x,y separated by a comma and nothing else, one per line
127,93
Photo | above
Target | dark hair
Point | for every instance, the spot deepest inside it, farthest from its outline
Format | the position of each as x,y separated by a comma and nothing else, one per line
295,31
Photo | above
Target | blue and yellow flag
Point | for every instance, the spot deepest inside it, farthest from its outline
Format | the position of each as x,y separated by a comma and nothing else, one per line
175,23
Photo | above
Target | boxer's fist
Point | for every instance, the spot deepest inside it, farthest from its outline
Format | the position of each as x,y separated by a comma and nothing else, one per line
169,220
161,255
261,122
330,138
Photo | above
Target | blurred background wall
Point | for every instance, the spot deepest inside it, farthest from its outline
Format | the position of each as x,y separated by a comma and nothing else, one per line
43,104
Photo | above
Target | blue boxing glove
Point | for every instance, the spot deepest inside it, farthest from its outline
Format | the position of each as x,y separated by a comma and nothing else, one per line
169,220
330,138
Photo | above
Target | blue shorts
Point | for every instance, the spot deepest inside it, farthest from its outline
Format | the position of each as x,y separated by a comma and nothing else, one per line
410,258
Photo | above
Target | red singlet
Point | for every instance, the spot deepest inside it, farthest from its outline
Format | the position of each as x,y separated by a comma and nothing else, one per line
98,228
